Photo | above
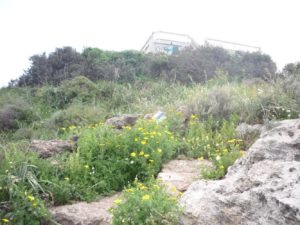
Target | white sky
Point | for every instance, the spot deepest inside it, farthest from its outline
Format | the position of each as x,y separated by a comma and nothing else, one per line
29,27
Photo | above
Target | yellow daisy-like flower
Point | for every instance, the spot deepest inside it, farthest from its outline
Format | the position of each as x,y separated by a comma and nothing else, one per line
72,127
4,220
86,166
231,141
200,158
129,190
133,154
151,160
146,197
159,150
146,155
143,142
118,201
30,198
193,116
143,187
142,153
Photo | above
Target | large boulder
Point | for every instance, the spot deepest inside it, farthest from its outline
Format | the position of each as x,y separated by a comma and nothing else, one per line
48,148
123,120
83,213
263,187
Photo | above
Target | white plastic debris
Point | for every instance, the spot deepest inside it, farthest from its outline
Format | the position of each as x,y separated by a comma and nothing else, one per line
159,116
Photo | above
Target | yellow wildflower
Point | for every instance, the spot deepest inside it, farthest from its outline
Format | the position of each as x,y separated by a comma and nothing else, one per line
151,160
86,166
72,127
159,150
30,198
146,155
34,204
200,158
133,154
143,187
231,141
118,201
67,178
193,116
136,139
143,142
142,153
146,198
129,190
4,220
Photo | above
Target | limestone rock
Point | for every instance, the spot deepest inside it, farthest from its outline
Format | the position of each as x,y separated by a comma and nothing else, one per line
82,213
182,173
263,187
49,148
123,120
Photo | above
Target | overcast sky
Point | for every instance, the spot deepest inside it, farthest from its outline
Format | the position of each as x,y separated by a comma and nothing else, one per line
35,26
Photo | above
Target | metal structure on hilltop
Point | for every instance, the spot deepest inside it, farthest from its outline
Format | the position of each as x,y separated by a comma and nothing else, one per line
167,42
231,46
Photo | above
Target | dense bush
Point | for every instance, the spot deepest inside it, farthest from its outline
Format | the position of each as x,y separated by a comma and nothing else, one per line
11,116
189,65
79,89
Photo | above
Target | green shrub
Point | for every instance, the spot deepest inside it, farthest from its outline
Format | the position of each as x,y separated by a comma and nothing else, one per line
75,115
11,116
79,89
146,204
23,133
115,158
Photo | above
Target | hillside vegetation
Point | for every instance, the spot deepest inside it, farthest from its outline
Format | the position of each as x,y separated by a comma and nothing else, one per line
204,93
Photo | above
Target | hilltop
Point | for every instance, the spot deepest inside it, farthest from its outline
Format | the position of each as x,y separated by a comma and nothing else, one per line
204,94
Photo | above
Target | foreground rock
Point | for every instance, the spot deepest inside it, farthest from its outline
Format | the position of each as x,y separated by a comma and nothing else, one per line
49,148
123,120
82,213
182,173
261,188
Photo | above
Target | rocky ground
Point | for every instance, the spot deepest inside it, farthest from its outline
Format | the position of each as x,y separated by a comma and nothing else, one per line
261,188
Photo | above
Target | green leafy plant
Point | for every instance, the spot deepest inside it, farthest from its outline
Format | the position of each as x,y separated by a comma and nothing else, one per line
147,204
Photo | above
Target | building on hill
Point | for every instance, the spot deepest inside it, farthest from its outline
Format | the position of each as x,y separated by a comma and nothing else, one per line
167,42
231,46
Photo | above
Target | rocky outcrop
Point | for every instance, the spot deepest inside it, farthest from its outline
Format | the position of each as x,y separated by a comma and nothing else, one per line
83,213
177,175
46,149
123,120
263,187
244,129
